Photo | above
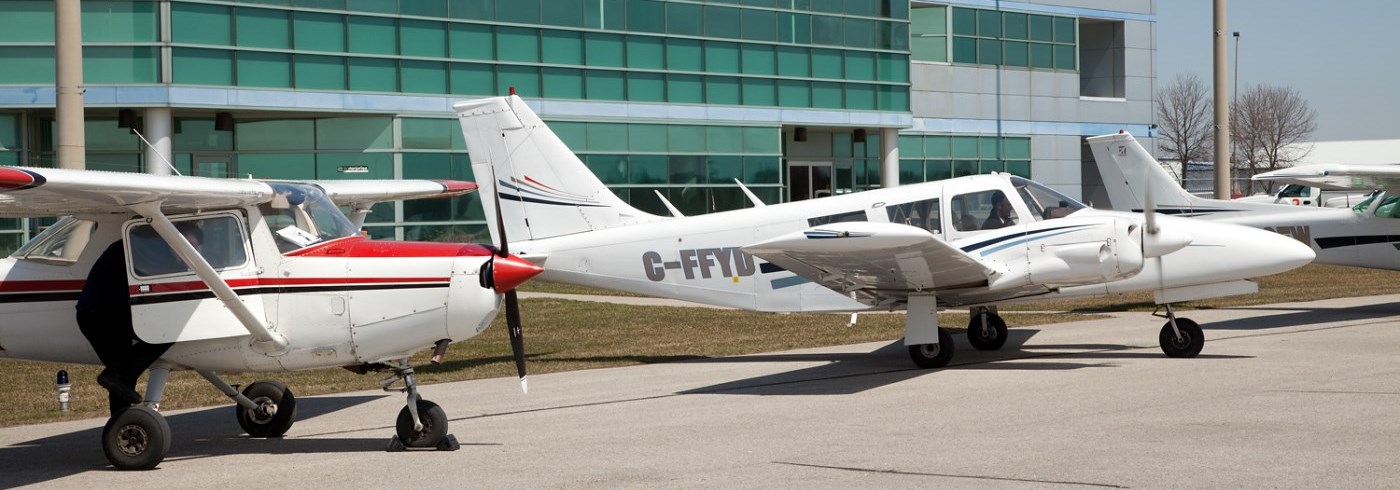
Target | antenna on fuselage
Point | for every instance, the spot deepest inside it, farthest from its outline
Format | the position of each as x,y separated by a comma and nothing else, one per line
670,207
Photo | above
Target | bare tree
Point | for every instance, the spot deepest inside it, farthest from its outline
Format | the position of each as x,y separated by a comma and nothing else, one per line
1185,124
1267,125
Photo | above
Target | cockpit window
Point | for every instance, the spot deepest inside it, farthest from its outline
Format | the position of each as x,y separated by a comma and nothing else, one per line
1362,206
60,243
301,215
1044,202
1295,190
1389,208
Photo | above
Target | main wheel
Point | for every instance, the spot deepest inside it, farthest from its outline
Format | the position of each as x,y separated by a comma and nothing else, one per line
930,356
434,425
1189,345
136,438
987,337
277,409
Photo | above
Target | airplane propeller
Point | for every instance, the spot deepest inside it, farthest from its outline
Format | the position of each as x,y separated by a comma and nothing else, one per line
517,335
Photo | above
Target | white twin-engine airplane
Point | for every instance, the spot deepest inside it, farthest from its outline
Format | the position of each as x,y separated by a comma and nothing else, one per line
1367,235
282,281
968,242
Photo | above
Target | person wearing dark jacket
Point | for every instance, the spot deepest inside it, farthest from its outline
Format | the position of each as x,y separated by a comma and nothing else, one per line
104,317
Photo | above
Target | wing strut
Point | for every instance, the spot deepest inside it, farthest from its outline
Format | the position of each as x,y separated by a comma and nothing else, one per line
264,339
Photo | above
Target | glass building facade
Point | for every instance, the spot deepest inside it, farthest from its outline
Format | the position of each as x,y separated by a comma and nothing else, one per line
680,97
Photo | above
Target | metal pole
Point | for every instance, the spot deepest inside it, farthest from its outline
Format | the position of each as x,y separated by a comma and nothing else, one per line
1234,98
1222,108
68,89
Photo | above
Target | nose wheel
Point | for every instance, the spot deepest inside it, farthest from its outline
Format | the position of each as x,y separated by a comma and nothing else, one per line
1181,337
421,424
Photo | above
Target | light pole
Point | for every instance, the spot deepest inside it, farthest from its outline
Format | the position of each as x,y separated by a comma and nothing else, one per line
1234,98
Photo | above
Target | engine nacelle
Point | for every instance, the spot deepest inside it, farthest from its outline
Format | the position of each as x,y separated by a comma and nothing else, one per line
1095,250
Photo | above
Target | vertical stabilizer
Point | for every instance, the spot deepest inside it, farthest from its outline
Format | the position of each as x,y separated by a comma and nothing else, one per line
546,191
1127,168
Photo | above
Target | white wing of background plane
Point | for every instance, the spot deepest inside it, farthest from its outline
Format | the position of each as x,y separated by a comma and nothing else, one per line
875,260
1335,177
367,192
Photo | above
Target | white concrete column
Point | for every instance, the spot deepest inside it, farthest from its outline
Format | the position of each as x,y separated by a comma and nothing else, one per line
159,129
68,85
889,157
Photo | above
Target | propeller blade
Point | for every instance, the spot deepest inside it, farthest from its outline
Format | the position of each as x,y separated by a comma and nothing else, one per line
517,337
517,334
1149,209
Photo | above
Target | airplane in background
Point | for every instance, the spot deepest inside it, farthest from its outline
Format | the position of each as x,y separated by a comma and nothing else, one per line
282,281
1365,235
917,247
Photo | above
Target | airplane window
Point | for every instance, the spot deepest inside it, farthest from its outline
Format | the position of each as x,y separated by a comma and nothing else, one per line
1362,206
923,214
1294,190
1044,202
219,240
836,218
1389,208
301,215
986,210
62,242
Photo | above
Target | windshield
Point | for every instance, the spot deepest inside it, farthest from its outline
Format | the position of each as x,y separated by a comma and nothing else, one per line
1044,202
301,215
1362,206
61,242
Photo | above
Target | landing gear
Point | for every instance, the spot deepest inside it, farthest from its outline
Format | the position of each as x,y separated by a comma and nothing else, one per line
136,438
985,329
421,423
1181,337
274,413
932,356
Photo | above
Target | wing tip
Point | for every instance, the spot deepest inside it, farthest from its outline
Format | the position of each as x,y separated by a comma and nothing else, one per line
14,179
451,188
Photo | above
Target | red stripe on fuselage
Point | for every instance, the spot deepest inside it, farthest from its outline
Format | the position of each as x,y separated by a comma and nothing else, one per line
360,247
51,286
191,286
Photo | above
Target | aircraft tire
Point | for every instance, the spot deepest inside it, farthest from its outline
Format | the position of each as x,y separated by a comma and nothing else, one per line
987,338
933,356
258,425
136,439
1189,346
434,425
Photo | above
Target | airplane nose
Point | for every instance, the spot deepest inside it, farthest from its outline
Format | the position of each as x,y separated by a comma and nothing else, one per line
511,271
1292,253
1166,240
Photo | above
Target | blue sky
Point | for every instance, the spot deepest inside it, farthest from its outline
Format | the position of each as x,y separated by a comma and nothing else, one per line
1342,56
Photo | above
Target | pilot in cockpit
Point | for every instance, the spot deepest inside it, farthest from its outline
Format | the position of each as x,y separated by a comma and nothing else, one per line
1002,214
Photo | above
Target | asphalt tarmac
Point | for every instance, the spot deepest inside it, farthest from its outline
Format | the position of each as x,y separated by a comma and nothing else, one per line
1300,395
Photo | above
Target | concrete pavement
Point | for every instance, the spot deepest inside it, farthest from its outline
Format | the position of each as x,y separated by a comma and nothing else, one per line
1299,395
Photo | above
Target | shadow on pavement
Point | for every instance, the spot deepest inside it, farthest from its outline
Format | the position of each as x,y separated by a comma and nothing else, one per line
1293,317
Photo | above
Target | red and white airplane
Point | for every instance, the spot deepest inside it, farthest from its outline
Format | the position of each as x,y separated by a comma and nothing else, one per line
282,281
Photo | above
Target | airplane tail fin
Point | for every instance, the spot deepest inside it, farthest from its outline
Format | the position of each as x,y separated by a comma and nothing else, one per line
1127,167
545,190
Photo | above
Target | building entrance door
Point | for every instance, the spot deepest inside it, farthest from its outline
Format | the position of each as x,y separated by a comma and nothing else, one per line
217,166
809,180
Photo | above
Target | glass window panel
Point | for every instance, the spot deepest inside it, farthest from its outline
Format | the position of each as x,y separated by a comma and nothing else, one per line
423,77
760,25
911,171
607,137
472,9
347,166
911,147
431,134
827,30
192,66
827,95
423,8
930,48
646,16
935,170
604,49
275,134
1019,168
685,19
860,96
115,21
322,4
1017,148
964,167
1064,29
724,139
29,21
794,28
929,20
525,79
257,69
606,85
354,133
758,59
120,64
379,6
437,166
762,140
894,98
471,41
446,233
104,135
722,90
934,147
315,31
568,13
518,11
860,33
893,67
611,169
721,57
374,75
647,169
722,22
685,169
988,147
759,91
423,38
989,23
277,165
860,65
894,36
473,79
826,63
964,50
517,44
573,134
372,35
989,166
1064,57
688,89
562,83
723,169
646,87
562,47
646,52
191,23
264,28
608,14
1041,28
1041,56
831,6
684,138
1017,53
964,21
9,133
965,147
794,62
794,93
320,72
684,54
124,162
762,170
989,51
646,137
1015,25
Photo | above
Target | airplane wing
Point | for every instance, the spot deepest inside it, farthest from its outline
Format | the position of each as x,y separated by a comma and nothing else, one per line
35,192
367,192
881,260
1334,177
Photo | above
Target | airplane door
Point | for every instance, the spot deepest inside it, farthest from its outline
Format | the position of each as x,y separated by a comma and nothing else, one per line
169,303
